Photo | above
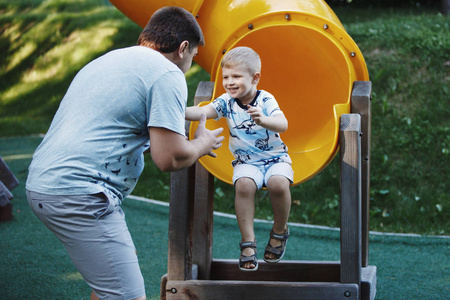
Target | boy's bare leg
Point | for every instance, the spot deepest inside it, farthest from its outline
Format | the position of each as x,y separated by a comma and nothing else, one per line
245,212
280,197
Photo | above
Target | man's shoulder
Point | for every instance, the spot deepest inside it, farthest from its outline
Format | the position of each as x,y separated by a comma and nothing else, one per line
144,55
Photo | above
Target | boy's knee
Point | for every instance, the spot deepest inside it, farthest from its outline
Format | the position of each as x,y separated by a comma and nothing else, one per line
245,185
278,184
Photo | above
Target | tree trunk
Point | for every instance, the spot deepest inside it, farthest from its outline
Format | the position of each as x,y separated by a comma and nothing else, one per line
446,7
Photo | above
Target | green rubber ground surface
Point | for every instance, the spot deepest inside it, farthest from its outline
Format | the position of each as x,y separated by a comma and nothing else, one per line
34,265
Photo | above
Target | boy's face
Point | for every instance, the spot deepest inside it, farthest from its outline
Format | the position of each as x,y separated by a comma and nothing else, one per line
239,83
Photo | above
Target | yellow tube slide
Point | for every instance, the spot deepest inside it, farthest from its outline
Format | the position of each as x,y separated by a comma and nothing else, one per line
309,63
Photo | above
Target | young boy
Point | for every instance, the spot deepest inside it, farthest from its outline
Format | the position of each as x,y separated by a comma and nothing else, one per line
261,159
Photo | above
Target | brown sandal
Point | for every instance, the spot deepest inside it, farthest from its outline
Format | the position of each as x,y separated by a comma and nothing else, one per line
243,259
277,251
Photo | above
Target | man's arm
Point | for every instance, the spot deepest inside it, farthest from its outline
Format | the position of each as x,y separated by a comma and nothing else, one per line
171,151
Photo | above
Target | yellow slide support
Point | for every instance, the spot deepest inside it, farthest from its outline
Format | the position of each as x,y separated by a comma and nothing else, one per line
309,63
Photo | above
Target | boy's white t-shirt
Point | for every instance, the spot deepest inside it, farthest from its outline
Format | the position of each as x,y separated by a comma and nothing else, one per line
249,142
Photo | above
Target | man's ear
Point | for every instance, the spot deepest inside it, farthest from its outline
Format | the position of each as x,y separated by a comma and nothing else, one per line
184,46
256,77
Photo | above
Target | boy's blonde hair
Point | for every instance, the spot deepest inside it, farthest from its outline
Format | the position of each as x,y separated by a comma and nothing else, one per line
242,56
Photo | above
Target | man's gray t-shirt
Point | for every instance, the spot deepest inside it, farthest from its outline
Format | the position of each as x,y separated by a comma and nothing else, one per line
96,141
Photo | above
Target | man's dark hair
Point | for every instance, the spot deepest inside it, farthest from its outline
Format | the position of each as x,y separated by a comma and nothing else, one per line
168,28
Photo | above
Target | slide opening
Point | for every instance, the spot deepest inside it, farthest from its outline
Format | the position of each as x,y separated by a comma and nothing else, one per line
308,74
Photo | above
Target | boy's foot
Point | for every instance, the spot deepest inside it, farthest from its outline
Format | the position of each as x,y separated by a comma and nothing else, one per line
276,246
248,260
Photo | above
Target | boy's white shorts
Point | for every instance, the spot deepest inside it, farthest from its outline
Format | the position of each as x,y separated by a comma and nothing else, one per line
261,174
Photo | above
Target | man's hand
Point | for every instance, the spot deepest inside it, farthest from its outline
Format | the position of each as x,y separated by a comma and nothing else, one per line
212,138
172,151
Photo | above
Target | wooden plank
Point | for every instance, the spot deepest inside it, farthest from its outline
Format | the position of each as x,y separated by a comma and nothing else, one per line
6,212
203,212
179,265
4,199
162,292
289,271
183,226
368,283
204,91
350,143
7,177
203,221
361,104
257,290
5,191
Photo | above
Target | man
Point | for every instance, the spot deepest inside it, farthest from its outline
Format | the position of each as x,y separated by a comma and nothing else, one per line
117,107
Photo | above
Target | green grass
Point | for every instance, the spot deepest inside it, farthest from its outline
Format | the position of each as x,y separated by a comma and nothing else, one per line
44,43
408,58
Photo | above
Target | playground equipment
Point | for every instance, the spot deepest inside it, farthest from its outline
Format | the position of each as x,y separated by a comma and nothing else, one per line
192,273
319,78
7,183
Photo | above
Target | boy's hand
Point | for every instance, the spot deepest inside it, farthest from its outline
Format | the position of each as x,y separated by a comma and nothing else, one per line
277,123
256,113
